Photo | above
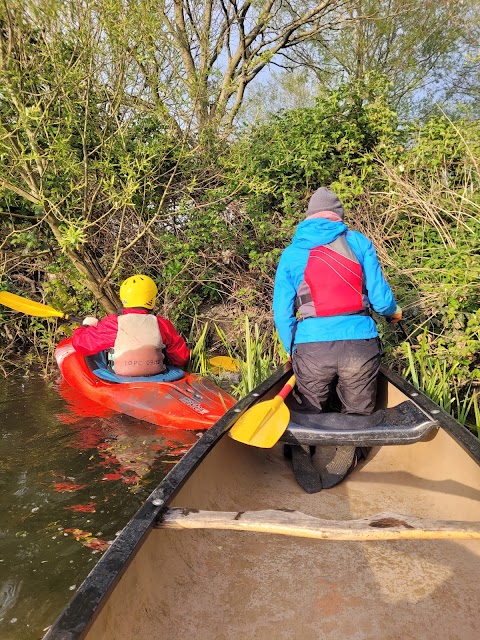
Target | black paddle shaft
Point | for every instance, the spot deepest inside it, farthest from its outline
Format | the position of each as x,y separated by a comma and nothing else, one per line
69,318
404,333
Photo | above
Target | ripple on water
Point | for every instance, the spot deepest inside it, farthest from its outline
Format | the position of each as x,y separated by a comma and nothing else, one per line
9,592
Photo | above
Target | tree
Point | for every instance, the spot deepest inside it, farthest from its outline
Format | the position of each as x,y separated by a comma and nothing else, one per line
423,48
110,113
97,174
210,49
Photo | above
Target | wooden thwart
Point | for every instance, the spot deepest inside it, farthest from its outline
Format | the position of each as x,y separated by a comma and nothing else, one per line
383,526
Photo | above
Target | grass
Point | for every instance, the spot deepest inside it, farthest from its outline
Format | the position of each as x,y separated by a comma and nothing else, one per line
258,356
198,355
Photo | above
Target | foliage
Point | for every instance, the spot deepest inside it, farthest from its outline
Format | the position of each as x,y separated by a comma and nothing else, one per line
428,55
198,353
439,380
428,238
95,174
112,120
257,356
335,141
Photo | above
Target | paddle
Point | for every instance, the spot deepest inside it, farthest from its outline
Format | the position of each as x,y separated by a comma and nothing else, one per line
32,308
225,363
400,325
263,424
404,332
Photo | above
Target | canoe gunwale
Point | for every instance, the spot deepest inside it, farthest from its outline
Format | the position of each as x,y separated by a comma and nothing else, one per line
79,614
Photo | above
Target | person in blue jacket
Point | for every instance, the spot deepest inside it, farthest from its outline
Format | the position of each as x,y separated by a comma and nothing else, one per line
327,281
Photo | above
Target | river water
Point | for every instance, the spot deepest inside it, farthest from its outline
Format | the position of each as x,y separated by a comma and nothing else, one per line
72,474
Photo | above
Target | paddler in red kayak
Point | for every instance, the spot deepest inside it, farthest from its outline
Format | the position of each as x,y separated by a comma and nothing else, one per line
135,338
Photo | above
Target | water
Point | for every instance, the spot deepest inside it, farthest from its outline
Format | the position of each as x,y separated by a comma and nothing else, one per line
71,474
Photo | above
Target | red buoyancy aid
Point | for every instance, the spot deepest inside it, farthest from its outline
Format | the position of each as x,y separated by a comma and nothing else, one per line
333,282
138,346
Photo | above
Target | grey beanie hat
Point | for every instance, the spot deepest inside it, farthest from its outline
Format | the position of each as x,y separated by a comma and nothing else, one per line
325,200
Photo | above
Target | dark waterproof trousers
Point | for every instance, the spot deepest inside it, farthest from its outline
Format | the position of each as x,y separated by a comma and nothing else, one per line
351,365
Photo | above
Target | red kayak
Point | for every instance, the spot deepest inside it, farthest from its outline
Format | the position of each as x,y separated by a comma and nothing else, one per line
192,402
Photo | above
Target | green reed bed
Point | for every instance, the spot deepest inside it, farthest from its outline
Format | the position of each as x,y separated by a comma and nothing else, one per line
256,354
441,381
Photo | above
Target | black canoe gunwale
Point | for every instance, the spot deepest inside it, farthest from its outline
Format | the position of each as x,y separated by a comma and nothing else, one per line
76,618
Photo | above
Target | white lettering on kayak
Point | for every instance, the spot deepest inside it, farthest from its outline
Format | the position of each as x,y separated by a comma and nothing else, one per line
62,352
134,362
193,405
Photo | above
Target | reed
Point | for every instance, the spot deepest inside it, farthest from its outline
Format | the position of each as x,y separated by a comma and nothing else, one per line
257,354
440,382
476,412
198,355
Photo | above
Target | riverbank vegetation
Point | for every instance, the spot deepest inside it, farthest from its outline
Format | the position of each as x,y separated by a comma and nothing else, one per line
184,141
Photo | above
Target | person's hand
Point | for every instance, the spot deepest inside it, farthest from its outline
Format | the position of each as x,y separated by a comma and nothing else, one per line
396,316
90,321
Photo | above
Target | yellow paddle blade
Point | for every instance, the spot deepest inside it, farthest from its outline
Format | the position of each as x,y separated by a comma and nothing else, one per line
30,307
262,425
225,363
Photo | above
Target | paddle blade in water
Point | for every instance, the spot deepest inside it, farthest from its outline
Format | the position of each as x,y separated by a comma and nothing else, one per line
30,307
262,425
225,363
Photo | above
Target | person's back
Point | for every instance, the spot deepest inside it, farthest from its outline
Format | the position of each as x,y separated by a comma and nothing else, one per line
135,337
330,277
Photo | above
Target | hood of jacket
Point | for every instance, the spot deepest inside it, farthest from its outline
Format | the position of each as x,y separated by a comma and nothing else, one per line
314,232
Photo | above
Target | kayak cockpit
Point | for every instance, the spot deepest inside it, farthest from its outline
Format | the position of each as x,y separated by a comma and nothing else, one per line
98,365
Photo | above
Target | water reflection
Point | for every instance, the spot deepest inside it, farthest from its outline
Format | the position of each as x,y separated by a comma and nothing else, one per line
127,447
72,473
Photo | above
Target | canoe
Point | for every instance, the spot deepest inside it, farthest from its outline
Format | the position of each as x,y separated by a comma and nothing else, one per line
230,546
191,403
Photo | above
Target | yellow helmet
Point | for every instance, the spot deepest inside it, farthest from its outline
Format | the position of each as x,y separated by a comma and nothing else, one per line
138,291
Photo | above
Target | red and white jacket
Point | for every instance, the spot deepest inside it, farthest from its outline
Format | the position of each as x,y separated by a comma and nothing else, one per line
91,340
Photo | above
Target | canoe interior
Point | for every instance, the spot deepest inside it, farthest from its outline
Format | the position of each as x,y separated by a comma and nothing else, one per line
225,585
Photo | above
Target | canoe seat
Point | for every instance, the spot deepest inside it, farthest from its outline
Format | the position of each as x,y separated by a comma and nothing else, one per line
404,424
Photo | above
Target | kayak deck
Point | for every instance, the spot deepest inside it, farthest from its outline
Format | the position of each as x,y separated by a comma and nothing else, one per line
229,584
